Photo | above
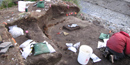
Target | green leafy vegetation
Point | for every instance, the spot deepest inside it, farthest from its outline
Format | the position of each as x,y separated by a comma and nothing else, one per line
73,1
7,3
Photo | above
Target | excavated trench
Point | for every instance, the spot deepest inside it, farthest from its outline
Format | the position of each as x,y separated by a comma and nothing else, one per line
52,14
46,28
38,32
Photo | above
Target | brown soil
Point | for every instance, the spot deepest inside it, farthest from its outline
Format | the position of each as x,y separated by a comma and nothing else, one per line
87,35
8,14
35,28
50,24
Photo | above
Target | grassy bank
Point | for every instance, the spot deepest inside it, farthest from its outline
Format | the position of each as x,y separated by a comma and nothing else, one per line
6,4
73,1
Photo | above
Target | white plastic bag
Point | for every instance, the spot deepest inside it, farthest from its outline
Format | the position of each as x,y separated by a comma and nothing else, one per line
95,58
27,42
27,49
105,41
52,50
69,44
76,45
101,44
15,31
72,25
72,47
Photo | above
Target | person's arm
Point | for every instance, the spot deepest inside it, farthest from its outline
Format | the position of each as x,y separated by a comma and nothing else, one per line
127,51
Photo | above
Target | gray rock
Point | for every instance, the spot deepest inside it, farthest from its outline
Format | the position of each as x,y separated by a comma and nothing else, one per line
112,28
5,44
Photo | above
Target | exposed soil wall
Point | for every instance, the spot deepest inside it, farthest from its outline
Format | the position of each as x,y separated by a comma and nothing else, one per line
36,27
36,34
54,12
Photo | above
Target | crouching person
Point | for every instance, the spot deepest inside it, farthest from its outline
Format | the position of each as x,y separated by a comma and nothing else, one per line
118,46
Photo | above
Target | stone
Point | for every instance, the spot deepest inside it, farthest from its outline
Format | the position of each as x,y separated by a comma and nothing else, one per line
5,44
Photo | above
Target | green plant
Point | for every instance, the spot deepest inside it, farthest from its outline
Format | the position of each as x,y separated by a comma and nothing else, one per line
73,1
7,3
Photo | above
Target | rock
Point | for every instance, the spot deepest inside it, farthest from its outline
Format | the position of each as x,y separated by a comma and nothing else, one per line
122,24
83,18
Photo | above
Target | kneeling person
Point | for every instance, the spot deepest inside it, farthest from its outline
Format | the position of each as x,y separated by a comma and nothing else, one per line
118,46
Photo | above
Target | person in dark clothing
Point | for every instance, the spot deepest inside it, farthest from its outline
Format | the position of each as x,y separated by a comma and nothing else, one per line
118,46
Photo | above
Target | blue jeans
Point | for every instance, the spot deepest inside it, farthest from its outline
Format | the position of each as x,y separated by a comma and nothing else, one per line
117,56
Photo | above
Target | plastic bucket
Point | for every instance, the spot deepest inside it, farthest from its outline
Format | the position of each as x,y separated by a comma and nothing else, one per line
21,6
85,53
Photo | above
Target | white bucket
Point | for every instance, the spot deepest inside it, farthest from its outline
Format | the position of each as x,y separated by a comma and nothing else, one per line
21,6
48,0
85,53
